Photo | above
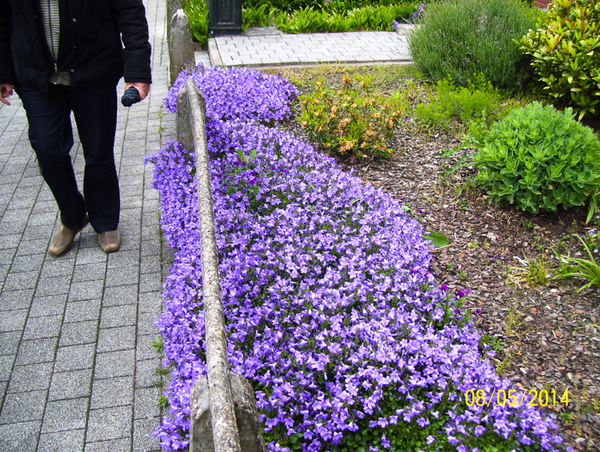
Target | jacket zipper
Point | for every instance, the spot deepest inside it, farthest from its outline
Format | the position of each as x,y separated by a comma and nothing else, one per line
54,56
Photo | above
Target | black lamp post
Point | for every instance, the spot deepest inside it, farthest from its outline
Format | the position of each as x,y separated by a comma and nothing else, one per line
225,17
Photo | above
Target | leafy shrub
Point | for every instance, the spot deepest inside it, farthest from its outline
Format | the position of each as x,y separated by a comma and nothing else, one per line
331,311
285,5
565,50
377,18
478,102
374,18
197,12
307,16
465,37
539,159
351,120
337,5
261,16
305,20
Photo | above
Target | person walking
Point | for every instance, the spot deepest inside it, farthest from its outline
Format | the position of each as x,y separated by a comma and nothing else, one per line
63,56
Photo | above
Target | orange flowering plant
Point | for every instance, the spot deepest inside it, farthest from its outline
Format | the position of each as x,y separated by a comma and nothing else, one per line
353,119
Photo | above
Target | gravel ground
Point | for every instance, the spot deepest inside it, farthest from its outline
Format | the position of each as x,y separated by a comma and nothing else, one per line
547,335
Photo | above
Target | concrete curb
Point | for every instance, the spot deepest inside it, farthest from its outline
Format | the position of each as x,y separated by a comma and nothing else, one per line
223,401
213,53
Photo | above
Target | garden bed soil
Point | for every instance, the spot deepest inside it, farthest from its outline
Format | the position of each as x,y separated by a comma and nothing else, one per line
547,335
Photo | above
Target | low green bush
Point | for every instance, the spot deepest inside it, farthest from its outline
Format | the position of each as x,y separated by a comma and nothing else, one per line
453,108
539,159
197,12
371,18
303,21
308,16
465,37
261,16
565,49
344,5
352,120
378,18
284,5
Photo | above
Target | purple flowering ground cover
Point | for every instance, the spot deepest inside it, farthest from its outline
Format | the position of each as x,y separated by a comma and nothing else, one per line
331,311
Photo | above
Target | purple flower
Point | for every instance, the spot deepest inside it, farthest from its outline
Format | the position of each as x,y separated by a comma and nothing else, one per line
385,442
417,14
331,311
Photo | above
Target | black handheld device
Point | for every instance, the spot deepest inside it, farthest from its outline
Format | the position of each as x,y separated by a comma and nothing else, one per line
131,96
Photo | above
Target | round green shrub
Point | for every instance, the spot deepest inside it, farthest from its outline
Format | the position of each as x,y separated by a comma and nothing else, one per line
460,38
539,159
565,52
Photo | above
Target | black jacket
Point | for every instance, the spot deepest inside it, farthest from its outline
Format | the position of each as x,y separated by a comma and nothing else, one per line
90,42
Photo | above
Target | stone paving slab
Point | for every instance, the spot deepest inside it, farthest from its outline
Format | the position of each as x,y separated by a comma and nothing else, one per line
368,47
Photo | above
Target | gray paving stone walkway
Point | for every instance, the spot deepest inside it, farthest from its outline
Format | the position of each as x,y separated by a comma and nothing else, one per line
278,49
77,368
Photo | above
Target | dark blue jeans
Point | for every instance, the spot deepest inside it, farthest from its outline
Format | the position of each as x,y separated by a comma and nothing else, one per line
51,136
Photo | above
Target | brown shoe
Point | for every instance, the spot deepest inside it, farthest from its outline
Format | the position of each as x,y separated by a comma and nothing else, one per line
109,241
62,241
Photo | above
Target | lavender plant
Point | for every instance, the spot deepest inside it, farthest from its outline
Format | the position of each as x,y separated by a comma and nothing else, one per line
417,15
465,37
331,311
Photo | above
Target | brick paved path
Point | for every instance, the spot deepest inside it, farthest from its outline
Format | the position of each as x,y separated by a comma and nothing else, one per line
77,369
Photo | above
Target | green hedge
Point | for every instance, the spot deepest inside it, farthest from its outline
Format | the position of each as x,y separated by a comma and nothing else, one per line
308,16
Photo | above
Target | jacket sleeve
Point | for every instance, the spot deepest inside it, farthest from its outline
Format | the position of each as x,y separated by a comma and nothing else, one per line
7,66
131,19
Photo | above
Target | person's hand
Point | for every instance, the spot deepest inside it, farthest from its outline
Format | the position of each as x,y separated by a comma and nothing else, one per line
143,88
6,90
